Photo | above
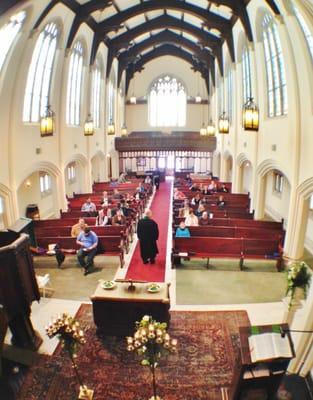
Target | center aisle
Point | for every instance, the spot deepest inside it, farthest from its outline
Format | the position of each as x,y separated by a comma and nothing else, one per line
160,213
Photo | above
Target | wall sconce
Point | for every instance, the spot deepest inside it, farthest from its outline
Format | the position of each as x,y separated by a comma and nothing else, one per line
111,128
47,123
28,183
124,130
250,116
88,126
223,123
210,129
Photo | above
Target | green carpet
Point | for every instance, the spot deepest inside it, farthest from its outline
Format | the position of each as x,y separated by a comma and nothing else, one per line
69,282
224,283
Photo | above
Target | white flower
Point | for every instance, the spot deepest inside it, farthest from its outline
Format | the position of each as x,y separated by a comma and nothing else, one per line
146,318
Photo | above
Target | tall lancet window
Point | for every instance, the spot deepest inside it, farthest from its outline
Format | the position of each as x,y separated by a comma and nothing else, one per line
246,75
74,85
305,28
39,74
275,68
230,94
167,102
95,95
8,33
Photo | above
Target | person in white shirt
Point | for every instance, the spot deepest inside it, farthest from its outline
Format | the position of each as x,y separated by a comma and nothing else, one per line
191,219
89,206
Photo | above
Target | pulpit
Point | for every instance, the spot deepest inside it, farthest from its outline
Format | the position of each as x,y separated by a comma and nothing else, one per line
18,288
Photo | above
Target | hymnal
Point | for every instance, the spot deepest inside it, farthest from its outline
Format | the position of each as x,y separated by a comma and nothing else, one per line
266,346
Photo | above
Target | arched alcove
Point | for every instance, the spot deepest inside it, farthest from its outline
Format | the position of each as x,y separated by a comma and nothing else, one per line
274,189
98,167
245,174
78,183
228,160
42,185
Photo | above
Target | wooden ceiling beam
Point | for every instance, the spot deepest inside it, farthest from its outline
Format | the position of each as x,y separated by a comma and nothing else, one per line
163,50
210,19
165,37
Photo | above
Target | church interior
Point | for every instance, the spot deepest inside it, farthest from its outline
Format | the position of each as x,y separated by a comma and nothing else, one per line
156,199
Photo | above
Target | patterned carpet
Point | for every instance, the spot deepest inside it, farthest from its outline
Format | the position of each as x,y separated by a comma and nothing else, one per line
207,350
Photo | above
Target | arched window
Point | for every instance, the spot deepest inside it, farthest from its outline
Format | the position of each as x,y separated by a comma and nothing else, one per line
230,94
246,75
306,31
39,74
167,102
220,96
111,101
96,92
8,33
74,84
275,68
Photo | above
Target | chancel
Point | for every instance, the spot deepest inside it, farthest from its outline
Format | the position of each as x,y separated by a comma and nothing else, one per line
200,111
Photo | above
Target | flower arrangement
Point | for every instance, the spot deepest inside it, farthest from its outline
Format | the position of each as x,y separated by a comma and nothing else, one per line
298,276
150,341
71,336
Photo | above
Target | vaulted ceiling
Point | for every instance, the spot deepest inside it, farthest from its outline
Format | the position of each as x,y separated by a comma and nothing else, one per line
138,31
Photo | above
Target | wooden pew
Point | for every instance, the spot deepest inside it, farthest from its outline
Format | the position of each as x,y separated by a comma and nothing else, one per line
109,230
235,232
108,245
241,248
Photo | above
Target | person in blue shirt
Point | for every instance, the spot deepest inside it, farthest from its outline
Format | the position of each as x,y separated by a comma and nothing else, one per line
182,230
88,241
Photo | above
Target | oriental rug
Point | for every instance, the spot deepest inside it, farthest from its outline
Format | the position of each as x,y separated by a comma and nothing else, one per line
207,352
160,213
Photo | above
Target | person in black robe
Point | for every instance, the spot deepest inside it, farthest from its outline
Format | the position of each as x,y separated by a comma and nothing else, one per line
148,234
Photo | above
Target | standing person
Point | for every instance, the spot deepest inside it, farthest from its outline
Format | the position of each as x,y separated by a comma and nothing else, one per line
148,234
156,181
88,241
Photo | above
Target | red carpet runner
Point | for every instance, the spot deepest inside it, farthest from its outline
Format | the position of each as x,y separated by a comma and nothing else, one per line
160,209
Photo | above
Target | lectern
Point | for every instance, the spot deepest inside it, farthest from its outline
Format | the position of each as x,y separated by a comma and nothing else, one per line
266,374
18,288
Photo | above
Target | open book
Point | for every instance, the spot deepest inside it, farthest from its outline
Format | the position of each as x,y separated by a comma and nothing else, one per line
269,345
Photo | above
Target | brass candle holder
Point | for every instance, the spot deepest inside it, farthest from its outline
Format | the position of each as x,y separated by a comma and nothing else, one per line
150,341
71,336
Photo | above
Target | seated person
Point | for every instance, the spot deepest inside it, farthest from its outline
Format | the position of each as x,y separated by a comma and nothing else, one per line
210,175
184,211
102,218
220,202
118,218
126,209
204,219
212,187
78,228
191,219
188,179
194,187
148,180
178,195
182,230
195,201
200,210
89,206
223,188
88,241
117,195
122,178
105,198
205,191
